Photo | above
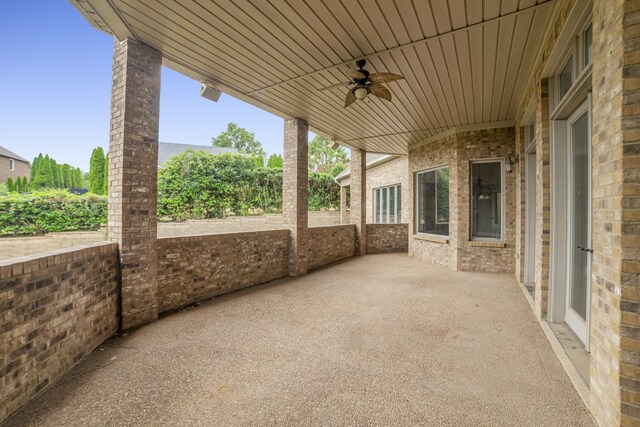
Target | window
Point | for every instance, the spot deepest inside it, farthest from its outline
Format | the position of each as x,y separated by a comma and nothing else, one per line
588,41
579,56
566,78
12,165
432,201
387,205
486,200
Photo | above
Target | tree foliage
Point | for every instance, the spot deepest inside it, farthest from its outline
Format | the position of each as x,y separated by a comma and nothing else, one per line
240,139
324,159
96,171
196,184
275,161
11,187
47,173
105,184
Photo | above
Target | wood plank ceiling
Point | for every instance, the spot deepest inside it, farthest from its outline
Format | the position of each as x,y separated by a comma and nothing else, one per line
465,61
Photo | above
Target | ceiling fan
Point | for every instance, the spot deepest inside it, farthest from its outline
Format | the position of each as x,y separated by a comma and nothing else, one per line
366,83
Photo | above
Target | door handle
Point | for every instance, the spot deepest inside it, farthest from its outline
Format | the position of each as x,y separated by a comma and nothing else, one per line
581,248
587,250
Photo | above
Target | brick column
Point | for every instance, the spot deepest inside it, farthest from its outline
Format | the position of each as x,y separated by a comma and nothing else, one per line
344,213
615,299
359,198
295,192
133,170
543,200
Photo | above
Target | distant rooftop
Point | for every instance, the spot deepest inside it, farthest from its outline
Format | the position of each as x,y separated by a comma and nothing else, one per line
167,150
372,160
10,154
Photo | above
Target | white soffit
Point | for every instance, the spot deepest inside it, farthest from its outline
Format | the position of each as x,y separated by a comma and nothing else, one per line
465,61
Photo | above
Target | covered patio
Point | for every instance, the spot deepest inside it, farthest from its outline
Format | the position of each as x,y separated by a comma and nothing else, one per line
355,343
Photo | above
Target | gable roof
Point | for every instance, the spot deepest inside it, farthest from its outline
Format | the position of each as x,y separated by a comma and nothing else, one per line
373,159
6,153
167,150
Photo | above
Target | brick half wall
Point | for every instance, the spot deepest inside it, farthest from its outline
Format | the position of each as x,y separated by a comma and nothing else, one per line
387,238
330,244
194,268
54,310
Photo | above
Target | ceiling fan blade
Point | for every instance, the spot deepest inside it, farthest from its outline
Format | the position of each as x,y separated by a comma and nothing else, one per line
384,77
344,84
354,74
351,98
380,91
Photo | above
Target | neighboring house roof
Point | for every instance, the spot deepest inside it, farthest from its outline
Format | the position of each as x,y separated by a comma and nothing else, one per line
167,150
6,153
373,159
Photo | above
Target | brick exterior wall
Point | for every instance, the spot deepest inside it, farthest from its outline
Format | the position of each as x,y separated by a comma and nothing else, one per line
387,238
330,244
195,268
295,192
543,201
474,255
393,172
21,169
133,164
615,303
458,251
54,310
358,198
436,153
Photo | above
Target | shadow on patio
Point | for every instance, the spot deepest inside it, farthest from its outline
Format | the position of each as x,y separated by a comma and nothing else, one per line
357,342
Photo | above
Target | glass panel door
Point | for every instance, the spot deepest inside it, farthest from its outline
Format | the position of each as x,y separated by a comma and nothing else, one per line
579,277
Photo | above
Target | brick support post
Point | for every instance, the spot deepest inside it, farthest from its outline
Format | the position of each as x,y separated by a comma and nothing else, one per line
615,300
359,198
543,201
295,192
133,167
344,213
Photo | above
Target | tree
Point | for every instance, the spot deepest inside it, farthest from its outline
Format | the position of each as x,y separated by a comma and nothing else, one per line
11,187
105,188
96,171
67,176
322,157
275,161
34,166
240,139
44,175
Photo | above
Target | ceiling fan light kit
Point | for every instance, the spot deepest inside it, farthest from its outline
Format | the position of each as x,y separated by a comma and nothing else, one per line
366,83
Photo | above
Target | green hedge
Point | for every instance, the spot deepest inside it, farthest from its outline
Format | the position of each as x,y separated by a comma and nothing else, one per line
196,184
52,210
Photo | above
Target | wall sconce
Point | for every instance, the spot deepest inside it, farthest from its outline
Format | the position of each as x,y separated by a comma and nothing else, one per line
511,160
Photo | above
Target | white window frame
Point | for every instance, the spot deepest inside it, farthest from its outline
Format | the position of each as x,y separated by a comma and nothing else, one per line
377,215
502,199
575,52
415,184
12,165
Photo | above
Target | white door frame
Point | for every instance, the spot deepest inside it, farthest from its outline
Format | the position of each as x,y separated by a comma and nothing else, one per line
578,325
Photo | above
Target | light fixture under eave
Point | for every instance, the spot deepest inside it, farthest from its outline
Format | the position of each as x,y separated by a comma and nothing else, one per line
361,92
511,160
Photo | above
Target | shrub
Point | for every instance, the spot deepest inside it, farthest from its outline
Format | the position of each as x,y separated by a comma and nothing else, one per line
53,210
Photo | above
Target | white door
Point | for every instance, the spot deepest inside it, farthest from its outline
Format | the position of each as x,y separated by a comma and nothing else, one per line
579,223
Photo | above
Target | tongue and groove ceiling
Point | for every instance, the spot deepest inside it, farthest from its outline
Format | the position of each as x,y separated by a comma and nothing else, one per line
465,61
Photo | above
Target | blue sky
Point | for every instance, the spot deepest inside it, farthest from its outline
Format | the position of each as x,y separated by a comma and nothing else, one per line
55,89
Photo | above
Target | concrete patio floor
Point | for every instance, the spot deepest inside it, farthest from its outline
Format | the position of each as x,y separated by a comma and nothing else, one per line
376,340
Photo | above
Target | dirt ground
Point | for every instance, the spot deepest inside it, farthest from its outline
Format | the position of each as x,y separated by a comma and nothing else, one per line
11,247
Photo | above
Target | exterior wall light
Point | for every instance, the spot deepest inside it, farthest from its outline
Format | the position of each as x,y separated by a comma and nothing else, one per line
511,160
361,92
